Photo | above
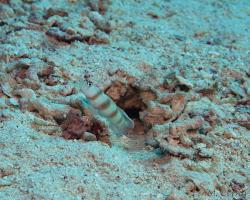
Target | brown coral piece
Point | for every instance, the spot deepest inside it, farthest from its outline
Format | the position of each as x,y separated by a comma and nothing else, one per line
120,74
52,11
177,101
62,36
237,186
22,73
45,108
244,101
25,93
92,29
155,114
98,127
1,94
175,82
182,126
95,40
47,71
5,1
117,90
46,76
75,125
30,72
101,6
179,138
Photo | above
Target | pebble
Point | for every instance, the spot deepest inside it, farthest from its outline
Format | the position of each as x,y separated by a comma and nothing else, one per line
13,102
89,136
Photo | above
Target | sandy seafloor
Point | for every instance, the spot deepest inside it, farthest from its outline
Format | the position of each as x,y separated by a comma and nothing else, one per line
179,68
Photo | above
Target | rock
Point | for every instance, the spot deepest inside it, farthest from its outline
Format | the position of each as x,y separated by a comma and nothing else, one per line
87,136
13,102
176,101
45,108
199,166
176,150
202,181
174,82
99,21
182,126
203,151
230,132
156,114
6,88
236,89
25,93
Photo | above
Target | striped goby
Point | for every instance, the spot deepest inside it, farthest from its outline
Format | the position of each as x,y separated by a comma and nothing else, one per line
107,107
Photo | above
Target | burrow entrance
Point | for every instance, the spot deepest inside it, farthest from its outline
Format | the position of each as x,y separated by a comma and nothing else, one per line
133,101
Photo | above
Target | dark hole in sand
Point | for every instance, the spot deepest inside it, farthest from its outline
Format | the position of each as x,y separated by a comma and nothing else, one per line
133,101
133,113
183,88
35,110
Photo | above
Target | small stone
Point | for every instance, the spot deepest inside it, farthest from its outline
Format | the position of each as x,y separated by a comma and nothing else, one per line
6,88
138,180
156,113
236,89
203,181
184,82
203,151
152,142
25,93
206,153
230,134
13,102
87,136
99,21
